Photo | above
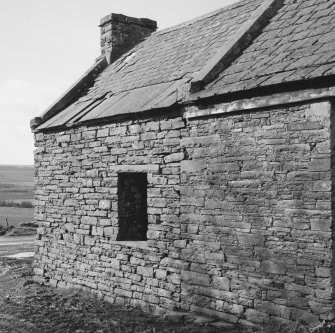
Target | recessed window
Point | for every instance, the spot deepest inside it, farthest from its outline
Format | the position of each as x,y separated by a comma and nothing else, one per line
132,207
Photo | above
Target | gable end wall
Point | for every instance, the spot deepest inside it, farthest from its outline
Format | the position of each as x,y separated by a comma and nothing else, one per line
239,212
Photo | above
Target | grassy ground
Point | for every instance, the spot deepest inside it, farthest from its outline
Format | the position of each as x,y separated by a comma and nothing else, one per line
16,174
16,192
16,183
15,215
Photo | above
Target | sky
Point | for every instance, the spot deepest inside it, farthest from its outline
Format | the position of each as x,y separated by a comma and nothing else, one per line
46,45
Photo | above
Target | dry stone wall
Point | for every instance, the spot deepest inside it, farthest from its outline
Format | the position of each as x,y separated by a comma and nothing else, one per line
239,213
256,211
77,209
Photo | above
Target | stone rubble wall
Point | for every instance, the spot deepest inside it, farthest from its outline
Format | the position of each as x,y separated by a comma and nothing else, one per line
239,213
256,213
76,208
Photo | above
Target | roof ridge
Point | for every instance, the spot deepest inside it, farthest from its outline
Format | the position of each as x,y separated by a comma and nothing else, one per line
202,17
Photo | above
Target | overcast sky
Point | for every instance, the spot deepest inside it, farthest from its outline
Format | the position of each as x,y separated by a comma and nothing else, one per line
46,45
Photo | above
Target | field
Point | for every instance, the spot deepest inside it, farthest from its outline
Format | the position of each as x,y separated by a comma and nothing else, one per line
15,215
16,183
16,186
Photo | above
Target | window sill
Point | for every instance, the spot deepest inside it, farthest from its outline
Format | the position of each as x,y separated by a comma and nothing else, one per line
134,244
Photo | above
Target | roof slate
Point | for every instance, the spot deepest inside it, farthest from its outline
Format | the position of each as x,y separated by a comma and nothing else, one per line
175,53
168,58
297,44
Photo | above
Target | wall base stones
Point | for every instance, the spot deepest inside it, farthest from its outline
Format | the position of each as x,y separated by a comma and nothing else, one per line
239,213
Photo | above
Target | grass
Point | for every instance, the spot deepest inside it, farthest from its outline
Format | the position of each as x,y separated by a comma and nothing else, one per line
23,175
15,215
17,185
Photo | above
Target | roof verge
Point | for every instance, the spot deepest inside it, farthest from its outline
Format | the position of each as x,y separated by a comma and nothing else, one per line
244,35
71,94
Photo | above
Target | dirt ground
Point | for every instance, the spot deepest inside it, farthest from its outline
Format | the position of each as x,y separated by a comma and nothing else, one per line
27,307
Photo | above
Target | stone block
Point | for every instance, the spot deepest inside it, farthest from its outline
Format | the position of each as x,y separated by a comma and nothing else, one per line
175,157
71,203
272,309
103,133
320,165
110,231
90,241
304,316
213,313
250,239
114,263
123,293
318,111
160,274
153,234
222,283
323,272
272,267
192,166
325,293
104,204
321,186
223,167
217,257
200,141
299,288
318,308
152,168
152,299
39,271
256,316
322,225
182,243
195,278
97,231
145,271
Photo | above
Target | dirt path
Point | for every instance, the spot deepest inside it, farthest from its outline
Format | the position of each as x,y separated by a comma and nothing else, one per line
16,240
16,244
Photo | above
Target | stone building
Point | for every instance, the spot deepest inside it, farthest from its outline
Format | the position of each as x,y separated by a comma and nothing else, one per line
191,168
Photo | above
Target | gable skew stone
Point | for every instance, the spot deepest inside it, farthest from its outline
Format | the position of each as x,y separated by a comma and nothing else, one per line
235,45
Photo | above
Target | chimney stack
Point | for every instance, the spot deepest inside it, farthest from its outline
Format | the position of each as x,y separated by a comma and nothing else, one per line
120,33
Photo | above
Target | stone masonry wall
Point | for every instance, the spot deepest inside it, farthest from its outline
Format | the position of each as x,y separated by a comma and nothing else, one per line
256,211
239,213
77,209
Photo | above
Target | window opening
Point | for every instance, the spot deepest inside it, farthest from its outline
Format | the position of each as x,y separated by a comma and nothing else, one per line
132,207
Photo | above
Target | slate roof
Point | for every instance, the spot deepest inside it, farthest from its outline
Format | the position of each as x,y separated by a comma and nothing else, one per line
152,75
298,43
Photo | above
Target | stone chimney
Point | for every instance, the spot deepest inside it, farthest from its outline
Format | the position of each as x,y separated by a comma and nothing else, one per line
119,33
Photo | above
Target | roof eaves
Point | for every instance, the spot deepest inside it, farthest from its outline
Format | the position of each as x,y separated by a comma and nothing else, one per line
72,94
242,38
